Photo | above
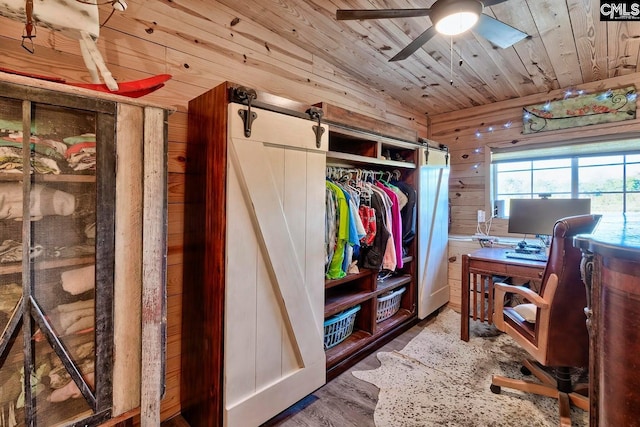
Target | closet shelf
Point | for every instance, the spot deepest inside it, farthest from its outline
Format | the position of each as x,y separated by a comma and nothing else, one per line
364,160
400,317
47,264
330,283
391,283
336,303
49,177
360,339
337,130
357,340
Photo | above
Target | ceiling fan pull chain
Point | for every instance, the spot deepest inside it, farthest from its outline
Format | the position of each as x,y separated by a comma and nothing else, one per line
451,60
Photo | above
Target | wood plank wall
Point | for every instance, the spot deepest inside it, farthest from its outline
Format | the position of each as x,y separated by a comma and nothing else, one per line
469,188
200,48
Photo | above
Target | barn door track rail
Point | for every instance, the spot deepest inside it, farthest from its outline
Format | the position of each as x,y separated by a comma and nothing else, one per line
252,98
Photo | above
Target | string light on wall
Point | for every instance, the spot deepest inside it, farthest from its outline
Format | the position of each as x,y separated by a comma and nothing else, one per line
475,166
608,94
491,128
605,95
569,93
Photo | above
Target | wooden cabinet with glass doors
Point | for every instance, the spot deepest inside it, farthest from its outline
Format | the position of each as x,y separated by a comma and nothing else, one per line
63,275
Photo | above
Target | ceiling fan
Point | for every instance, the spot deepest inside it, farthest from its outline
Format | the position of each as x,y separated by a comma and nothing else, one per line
450,17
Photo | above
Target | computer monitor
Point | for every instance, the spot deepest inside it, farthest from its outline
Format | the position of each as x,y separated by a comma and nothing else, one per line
538,216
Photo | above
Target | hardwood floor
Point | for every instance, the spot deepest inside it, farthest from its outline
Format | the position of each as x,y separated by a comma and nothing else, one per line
344,401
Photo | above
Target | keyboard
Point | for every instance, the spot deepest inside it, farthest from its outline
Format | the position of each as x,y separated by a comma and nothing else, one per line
541,256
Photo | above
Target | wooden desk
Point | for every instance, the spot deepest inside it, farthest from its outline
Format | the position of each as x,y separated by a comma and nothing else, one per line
611,270
478,269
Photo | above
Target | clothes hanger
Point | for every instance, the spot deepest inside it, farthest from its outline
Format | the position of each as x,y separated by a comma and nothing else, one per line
385,177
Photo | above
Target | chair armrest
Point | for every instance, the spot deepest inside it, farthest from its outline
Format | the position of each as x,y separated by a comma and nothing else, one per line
501,289
527,293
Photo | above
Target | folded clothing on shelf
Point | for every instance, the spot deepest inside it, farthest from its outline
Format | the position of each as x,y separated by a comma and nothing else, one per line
79,280
43,201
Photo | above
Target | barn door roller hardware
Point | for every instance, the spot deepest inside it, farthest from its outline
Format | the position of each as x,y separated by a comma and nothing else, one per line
316,114
441,147
247,96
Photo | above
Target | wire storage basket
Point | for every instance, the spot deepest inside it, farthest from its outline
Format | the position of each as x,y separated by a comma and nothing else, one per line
338,327
389,304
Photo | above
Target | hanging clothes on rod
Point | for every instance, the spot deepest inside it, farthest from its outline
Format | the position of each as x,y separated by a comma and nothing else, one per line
408,211
365,217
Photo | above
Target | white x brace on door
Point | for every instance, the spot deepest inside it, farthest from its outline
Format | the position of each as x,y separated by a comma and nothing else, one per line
273,344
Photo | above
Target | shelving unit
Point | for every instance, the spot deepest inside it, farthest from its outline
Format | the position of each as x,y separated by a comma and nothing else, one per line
62,205
78,255
360,148
354,148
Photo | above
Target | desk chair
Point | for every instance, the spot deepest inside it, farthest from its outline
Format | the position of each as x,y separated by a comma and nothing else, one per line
554,332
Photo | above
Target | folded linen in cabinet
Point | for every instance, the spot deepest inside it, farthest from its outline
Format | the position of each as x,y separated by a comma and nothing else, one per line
9,296
43,201
81,324
11,251
75,306
70,390
48,201
79,280
68,319
73,317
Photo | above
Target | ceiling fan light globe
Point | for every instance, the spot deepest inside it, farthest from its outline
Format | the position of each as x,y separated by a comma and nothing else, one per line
456,23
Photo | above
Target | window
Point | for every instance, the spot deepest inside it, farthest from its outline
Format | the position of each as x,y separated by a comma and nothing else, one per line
611,180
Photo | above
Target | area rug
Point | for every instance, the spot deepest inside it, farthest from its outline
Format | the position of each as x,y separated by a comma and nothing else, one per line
440,380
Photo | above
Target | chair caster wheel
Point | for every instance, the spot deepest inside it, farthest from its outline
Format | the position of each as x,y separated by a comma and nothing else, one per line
495,389
525,370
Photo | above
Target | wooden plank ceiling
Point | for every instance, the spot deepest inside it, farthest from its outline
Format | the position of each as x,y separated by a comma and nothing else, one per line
567,45
291,46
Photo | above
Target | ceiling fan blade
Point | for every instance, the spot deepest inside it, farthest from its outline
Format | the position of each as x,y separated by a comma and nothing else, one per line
414,45
351,14
489,3
497,32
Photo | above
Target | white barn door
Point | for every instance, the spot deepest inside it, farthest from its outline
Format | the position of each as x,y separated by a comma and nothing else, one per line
274,308
433,226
